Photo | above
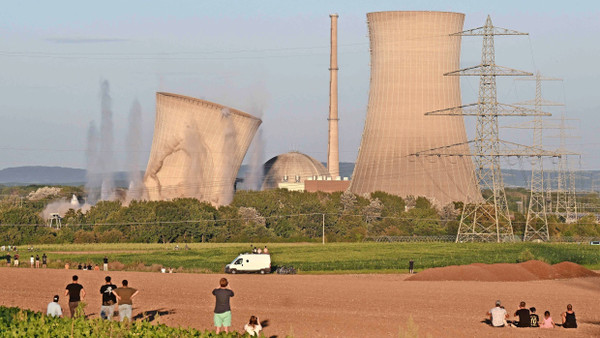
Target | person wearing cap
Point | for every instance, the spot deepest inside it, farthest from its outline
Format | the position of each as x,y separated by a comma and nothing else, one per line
498,315
54,309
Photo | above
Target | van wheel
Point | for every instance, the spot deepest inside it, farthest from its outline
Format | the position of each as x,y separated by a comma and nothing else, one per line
233,271
262,272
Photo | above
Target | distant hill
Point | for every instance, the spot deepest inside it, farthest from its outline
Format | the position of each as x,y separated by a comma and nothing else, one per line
585,180
42,175
50,176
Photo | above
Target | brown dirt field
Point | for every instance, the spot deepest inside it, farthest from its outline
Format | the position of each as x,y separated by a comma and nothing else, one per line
504,272
325,305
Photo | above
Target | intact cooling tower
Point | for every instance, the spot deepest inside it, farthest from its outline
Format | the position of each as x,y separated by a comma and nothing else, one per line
197,149
410,52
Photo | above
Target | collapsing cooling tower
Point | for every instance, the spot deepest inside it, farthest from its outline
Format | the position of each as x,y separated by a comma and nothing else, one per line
197,149
410,52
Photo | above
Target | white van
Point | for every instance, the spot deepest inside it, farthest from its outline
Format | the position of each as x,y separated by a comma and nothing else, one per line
250,263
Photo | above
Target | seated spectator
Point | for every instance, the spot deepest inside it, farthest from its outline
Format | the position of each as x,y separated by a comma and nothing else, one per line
54,309
498,315
524,316
568,318
255,250
266,251
89,267
253,327
547,322
534,319
258,251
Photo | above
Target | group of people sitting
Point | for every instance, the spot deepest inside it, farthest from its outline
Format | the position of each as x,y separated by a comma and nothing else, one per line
256,250
527,317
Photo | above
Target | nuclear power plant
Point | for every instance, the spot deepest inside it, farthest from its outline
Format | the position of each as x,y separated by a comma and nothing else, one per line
198,146
410,52
197,149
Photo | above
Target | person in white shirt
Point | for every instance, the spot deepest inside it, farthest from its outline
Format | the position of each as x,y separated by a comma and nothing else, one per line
498,315
54,309
253,327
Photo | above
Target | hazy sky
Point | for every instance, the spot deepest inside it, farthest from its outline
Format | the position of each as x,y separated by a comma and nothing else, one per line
269,58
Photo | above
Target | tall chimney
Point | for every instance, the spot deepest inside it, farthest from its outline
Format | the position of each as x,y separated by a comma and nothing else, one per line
333,152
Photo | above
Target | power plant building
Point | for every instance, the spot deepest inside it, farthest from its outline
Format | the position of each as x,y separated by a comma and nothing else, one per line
410,52
197,149
291,170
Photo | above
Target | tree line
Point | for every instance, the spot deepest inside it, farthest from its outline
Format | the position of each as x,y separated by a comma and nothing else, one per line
266,216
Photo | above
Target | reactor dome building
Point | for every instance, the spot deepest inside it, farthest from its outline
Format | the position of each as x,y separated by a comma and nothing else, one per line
410,52
197,149
292,167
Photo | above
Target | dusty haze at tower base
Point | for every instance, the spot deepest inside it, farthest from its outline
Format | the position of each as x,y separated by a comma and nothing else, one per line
410,52
197,149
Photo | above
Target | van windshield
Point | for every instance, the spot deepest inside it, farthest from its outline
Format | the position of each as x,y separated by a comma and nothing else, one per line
238,261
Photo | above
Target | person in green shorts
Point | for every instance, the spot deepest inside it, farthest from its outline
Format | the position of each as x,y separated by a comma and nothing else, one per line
222,316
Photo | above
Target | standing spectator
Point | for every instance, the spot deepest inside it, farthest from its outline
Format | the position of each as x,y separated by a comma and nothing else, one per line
253,327
255,250
411,266
31,261
258,251
16,259
125,296
266,251
44,261
568,318
37,261
8,260
76,293
54,309
105,263
108,299
498,315
222,315
524,316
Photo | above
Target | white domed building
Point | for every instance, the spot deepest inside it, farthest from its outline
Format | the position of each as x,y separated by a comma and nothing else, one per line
290,170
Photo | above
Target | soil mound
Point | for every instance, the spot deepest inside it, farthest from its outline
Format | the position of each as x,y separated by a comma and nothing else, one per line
504,272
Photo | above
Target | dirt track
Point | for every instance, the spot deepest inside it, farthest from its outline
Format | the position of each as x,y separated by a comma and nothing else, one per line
325,305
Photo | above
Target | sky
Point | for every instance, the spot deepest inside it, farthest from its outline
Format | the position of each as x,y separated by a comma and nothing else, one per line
269,58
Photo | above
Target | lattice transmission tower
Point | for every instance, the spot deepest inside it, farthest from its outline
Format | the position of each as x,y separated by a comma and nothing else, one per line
566,198
489,218
536,226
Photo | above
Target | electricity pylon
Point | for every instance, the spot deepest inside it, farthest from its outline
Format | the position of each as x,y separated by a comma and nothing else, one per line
536,226
566,199
489,218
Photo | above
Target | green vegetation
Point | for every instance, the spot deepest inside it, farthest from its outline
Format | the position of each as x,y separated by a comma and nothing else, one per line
318,258
15,322
267,216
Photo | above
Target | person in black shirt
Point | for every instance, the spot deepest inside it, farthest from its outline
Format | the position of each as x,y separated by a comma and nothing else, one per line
105,263
411,266
79,267
222,315
108,299
37,261
44,260
76,293
568,318
534,320
8,260
524,316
